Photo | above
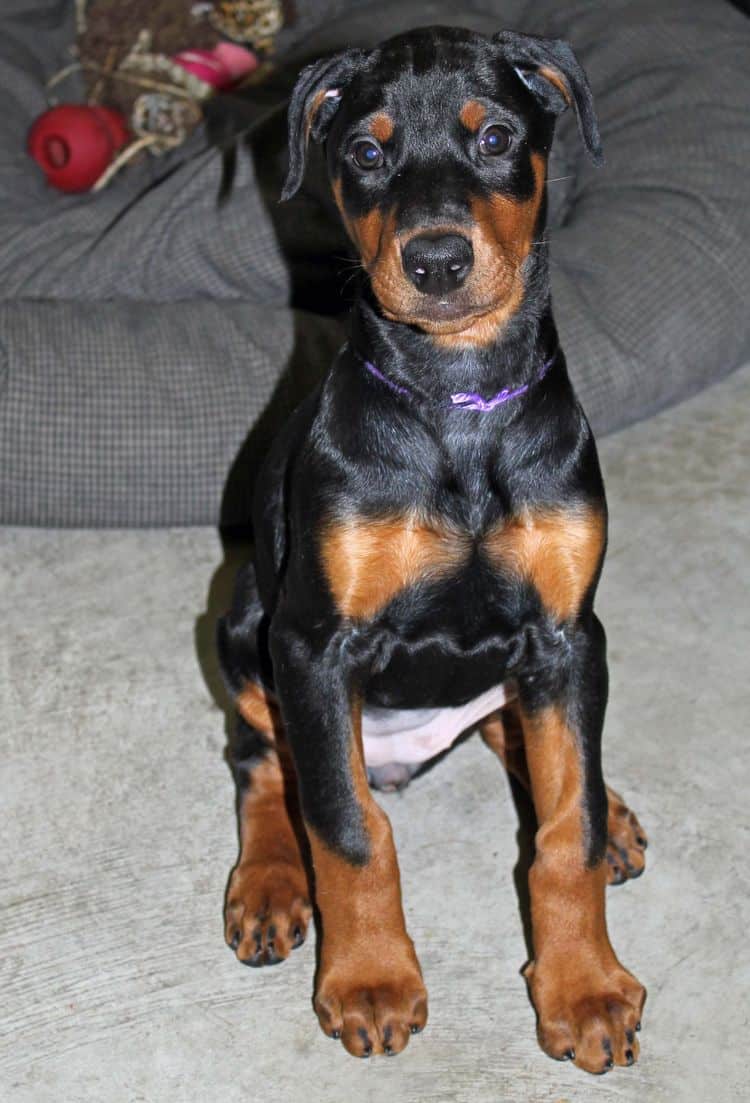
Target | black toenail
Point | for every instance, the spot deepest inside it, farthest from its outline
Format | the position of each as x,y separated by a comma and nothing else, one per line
641,841
569,1055
609,1063
638,1025
629,1056
335,1034
607,1045
415,1029
236,939
629,1036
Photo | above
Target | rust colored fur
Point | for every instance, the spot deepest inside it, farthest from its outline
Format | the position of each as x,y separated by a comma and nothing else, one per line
365,947
559,552
268,905
582,994
381,127
472,115
368,562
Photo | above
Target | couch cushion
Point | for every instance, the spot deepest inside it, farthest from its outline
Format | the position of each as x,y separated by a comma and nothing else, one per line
127,400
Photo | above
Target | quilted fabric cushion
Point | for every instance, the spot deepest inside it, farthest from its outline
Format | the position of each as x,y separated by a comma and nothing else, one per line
144,332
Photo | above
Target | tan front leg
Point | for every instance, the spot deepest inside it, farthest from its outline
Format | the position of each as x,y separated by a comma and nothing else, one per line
369,989
588,1006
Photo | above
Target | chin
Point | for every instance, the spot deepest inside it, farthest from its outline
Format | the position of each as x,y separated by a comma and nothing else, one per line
442,318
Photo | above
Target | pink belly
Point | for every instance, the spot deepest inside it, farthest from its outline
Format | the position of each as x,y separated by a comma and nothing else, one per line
415,735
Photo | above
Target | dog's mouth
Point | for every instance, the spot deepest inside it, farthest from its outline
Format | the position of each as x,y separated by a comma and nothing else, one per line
471,312
491,288
441,315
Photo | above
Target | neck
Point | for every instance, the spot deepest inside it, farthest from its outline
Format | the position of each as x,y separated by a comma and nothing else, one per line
415,361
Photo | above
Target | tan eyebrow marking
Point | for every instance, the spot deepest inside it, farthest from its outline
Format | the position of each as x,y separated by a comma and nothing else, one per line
381,127
473,114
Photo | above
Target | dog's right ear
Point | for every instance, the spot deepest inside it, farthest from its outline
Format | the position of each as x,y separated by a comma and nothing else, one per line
552,73
315,100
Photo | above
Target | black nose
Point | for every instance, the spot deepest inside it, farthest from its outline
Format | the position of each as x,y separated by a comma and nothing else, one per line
439,264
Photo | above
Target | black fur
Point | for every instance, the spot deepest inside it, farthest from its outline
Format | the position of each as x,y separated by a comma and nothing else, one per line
358,447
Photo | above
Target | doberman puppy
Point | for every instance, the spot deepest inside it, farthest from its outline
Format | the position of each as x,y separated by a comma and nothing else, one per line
430,528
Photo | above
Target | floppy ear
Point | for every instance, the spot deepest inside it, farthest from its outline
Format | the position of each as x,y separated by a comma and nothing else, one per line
315,100
551,71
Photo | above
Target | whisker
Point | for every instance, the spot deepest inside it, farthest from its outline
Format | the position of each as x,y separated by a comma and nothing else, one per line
348,280
353,264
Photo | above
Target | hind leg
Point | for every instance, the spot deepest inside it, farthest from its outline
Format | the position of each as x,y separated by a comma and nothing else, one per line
626,839
268,899
626,842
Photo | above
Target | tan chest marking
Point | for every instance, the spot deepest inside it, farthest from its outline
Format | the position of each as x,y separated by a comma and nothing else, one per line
557,551
367,562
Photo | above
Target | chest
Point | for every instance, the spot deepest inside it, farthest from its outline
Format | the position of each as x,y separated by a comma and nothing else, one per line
369,563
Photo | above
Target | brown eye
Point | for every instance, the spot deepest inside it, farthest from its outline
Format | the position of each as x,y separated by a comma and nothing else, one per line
494,140
366,155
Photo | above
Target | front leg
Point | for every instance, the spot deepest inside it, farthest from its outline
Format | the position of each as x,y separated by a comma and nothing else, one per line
369,990
588,1006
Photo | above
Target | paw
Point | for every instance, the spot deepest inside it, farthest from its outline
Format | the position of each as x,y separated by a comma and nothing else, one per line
626,842
592,1021
267,911
376,1015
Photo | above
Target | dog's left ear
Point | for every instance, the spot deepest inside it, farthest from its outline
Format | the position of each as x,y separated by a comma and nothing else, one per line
315,100
551,71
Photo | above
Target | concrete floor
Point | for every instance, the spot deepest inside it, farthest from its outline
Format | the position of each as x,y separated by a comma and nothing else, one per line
118,826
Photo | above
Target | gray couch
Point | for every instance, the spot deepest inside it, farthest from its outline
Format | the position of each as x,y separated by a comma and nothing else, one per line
145,332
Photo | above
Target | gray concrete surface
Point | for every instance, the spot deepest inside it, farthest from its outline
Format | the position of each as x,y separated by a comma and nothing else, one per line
118,830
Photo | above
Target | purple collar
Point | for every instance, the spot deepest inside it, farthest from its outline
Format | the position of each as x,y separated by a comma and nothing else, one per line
468,400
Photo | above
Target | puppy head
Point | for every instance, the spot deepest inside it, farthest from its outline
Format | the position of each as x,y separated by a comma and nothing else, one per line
437,145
